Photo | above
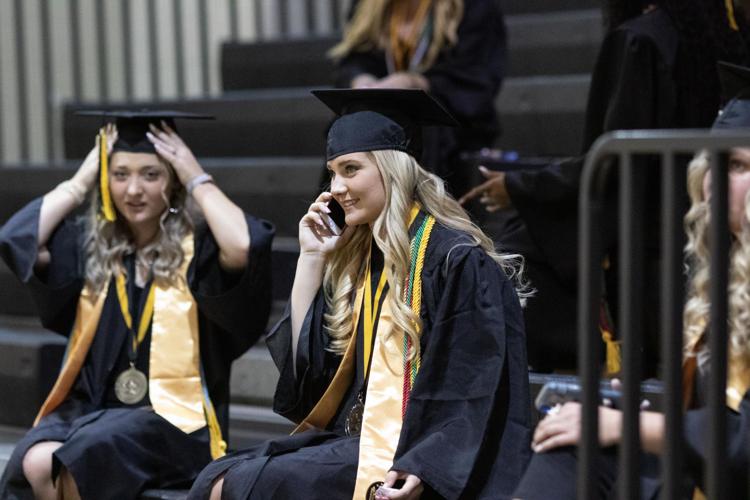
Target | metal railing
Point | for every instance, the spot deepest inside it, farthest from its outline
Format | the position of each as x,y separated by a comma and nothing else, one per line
125,50
666,145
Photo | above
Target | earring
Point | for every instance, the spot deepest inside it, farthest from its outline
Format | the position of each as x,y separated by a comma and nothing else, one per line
174,211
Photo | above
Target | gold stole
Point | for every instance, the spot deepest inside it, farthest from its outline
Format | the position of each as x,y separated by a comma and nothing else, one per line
176,388
382,419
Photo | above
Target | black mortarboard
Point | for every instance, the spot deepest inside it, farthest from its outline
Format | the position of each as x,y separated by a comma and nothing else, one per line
131,137
735,88
133,125
374,119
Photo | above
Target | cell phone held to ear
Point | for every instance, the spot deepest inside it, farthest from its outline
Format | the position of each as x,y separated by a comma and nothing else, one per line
337,216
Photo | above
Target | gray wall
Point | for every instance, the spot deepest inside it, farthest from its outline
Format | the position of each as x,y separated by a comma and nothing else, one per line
42,63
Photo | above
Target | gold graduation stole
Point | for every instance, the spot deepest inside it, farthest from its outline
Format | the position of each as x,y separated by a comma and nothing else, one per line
392,374
176,387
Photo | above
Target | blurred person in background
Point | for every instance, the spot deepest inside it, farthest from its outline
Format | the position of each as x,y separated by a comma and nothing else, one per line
656,69
552,471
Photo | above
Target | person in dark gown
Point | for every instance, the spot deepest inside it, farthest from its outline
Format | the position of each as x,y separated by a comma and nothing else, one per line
412,290
644,78
155,307
455,49
552,470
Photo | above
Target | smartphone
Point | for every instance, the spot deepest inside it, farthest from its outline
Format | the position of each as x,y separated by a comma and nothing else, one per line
559,392
337,216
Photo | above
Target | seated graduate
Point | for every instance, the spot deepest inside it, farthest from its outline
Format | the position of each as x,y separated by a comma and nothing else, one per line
402,353
552,471
155,305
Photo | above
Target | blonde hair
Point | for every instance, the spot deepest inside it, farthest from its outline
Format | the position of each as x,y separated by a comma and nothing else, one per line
697,308
106,243
368,29
405,182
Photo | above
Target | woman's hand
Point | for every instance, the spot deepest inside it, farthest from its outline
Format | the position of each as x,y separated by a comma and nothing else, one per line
411,490
563,428
494,194
316,236
86,176
363,81
170,146
401,80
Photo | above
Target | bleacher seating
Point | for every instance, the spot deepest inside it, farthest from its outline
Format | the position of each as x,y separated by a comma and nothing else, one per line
265,150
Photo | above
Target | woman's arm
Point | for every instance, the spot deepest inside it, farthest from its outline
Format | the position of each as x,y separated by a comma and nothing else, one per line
67,196
225,219
563,428
316,240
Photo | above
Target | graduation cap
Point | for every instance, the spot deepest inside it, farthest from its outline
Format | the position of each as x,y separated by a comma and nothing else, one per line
735,88
131,137
375,119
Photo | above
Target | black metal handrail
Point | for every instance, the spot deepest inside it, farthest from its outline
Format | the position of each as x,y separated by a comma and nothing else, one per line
665,144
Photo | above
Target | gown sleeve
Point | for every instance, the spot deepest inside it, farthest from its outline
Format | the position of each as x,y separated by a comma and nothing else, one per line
56,288
316,366
696,426
472,388
238,303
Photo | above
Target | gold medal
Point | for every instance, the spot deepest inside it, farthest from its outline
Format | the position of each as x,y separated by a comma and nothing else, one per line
353,424
131,386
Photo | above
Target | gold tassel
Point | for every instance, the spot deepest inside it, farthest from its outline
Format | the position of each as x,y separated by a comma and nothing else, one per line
730,15
613,352
108,210
218,445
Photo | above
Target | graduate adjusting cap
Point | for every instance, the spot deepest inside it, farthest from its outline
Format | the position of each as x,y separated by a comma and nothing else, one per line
131,137
735,88
133,125
375,119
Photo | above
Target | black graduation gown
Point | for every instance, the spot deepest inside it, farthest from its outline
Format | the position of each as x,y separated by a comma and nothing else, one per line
465,78
467,428
232,312
633,87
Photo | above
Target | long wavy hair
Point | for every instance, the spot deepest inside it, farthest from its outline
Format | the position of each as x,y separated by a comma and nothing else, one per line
697,308
368,29
405,182
107,243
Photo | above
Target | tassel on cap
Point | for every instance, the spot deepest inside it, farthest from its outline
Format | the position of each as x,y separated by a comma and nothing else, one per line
108,209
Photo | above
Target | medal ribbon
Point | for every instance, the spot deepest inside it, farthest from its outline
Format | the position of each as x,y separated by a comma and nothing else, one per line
148,310
372,310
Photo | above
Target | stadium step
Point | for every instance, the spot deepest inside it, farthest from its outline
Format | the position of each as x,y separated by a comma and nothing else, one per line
558,42
541,115
544,6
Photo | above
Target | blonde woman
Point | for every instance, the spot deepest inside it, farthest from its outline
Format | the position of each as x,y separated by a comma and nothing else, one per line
455,49
402,354
156,306
552,470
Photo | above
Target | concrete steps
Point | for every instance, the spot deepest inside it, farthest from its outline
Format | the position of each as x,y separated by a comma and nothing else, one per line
511,7
257,122
539,43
